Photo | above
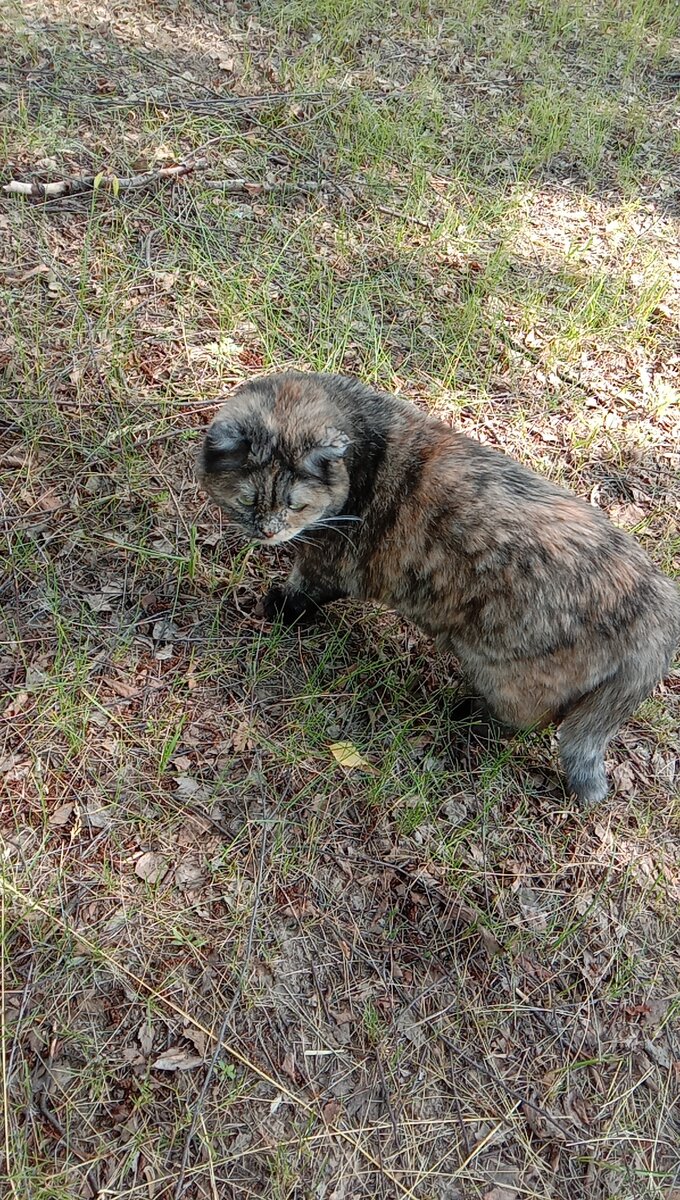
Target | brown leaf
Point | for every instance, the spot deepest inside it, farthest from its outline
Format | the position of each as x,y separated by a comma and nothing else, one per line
543,1124
99,815
150,866
624,779
197,1039
331,1111
288,1065
101,601
177,1059
62,815
145,1036
243,737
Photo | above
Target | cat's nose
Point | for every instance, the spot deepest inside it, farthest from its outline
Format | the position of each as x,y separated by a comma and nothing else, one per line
267,533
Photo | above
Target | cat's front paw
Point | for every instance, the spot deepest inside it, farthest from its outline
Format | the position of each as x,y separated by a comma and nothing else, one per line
280,605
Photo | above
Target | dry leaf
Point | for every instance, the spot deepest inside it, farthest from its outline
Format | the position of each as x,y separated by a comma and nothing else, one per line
150,866
101,601
98,815
243,737
177,1059
197,1039
61,815
533,912
624,779
288,1065
189,873
543,1124
145,1035
331,1111
349,757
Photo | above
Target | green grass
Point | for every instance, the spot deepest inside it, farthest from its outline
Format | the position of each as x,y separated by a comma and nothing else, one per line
411,955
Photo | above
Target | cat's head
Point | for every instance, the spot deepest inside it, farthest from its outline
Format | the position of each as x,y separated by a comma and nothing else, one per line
275,468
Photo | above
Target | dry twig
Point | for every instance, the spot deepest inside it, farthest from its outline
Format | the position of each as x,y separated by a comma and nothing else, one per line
78,184
110,182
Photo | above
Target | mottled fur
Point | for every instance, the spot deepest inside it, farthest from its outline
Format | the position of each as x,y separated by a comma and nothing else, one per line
554,613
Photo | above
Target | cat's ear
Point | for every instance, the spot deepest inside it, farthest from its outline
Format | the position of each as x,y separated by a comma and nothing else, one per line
226,447
317,460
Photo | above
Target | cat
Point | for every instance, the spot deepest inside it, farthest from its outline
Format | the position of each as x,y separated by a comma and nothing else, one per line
555,614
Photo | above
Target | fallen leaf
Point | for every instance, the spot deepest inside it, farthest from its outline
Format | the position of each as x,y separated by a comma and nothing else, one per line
150,866
197,1039
331,1111
349,757
189,873
533,912
61,815
624,779
288,1065
164,631
177,1059
101,601
145,1035
543,1124
98,815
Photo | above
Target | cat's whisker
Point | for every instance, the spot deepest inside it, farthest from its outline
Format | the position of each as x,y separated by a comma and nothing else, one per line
329,523
330,520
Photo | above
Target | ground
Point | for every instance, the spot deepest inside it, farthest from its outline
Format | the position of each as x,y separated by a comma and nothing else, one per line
238,961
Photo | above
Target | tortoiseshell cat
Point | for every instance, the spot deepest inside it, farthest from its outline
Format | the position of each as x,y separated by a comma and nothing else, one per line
554,613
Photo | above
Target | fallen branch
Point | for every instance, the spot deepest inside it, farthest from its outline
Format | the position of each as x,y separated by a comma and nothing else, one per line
110,182
116,183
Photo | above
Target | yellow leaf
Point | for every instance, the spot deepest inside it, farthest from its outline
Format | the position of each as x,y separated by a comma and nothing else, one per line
348,756
97,181
115,184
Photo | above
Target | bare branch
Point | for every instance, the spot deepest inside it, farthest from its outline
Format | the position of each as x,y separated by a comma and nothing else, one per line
79,184
109,182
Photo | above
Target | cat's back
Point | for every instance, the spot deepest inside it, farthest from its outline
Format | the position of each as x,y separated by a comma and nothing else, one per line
502,546
488,500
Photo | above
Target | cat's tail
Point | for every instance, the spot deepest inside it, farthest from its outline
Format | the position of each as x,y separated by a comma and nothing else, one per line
589,726
591,723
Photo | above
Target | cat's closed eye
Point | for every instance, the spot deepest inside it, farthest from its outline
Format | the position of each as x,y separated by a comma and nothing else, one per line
298,507
246,505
